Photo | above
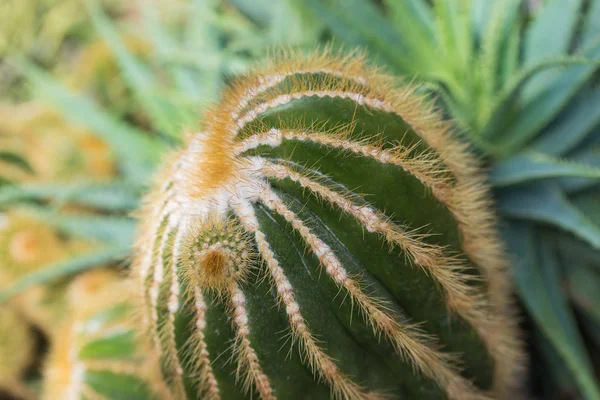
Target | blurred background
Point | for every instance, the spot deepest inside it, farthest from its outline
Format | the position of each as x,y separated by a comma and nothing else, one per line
94,93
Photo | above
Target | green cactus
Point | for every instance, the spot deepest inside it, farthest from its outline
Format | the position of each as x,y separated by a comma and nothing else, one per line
94,353
325,235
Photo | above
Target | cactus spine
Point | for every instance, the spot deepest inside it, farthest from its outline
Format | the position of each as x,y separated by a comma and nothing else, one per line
298,179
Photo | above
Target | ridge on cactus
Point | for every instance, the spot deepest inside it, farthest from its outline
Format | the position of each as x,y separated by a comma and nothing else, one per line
324,234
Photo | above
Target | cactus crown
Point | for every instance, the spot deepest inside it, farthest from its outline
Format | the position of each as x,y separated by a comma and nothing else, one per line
277,167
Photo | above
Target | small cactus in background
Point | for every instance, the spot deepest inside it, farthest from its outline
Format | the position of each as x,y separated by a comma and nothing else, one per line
94,353
327,224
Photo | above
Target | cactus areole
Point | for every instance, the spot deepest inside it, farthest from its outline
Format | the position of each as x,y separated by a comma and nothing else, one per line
324,236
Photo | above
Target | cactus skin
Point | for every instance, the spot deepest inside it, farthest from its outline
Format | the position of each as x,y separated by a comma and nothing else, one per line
324,235
94,354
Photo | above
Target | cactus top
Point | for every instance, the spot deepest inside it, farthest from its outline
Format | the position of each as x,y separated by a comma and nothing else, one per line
347,194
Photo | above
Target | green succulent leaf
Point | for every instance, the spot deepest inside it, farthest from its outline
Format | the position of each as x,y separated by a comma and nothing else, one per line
545,203
527,167
591,29
163,45
413,17
497,41
64,269
107,229
109,196
583,286
538,280
533,114
455,30
575,251
560,380
573,124
551,31
167,118
358,22
589,157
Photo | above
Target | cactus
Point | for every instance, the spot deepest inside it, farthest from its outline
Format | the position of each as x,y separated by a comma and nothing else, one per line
94,353
326,223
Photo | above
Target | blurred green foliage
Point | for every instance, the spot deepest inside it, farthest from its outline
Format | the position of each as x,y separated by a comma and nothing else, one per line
520,81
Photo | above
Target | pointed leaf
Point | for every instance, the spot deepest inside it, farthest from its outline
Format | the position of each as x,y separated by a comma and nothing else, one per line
165,115
534,166
64,269
537,277
164,45
112,196
545,203
453,21
574,251
583,286
533,114
413,19
552,30
496,44
107,229
359,23
591,29
572,125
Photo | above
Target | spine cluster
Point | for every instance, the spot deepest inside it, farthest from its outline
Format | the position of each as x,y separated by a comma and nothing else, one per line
202,240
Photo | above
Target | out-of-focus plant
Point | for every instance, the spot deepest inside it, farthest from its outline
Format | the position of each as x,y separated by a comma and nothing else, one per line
119,104
94,351
55,150
522,85
46,30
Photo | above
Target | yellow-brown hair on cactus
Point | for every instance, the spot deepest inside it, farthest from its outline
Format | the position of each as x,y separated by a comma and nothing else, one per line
368,219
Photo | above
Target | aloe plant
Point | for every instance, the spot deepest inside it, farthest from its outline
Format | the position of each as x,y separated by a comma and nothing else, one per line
321,203
520,80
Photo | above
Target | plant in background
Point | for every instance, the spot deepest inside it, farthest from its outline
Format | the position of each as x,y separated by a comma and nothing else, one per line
54,150
401,288
170,89
522,86
94,353
169,84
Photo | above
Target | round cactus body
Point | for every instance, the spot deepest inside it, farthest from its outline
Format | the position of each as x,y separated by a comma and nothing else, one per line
94,353
324,235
